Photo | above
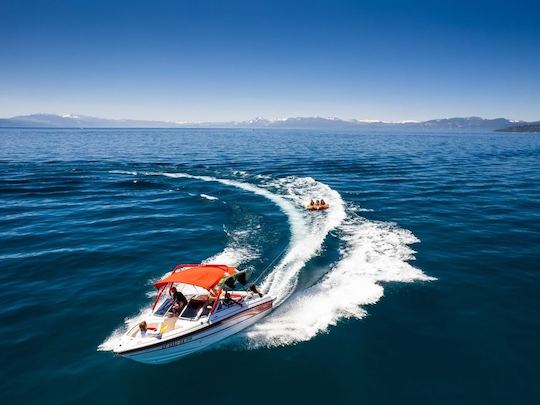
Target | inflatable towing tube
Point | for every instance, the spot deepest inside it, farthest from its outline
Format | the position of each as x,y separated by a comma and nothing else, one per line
317,207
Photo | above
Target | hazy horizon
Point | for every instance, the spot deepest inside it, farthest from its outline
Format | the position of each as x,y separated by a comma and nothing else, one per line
233,61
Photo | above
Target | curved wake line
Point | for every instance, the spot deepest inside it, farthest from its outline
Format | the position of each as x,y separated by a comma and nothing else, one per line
306,236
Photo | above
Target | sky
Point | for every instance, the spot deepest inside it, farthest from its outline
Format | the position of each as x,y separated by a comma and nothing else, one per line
236,60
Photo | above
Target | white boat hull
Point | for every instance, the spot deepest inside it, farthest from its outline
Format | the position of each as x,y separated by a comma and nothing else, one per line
167,350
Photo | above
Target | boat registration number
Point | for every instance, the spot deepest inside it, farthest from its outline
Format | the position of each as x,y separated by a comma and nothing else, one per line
177,342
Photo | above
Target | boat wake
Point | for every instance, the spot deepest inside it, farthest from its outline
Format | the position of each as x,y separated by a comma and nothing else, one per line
370,253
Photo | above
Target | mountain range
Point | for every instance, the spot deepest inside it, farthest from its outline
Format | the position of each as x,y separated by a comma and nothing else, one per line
443,124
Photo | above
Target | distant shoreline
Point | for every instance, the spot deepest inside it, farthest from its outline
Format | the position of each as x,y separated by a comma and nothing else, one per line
247,129
456,124
383,130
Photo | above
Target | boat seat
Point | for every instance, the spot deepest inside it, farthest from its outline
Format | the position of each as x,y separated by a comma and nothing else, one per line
168,324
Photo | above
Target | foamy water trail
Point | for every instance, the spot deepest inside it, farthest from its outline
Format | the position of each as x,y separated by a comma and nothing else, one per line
281,282
371,253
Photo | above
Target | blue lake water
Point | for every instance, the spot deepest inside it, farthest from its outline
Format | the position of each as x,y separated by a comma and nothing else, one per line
421,284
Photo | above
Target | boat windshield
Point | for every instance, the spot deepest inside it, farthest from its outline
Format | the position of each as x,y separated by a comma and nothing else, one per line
164,307
164,301
193,308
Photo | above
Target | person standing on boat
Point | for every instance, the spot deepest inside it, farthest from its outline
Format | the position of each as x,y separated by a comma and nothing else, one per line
179,300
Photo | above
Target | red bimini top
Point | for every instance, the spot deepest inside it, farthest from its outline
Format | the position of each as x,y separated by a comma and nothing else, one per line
206,276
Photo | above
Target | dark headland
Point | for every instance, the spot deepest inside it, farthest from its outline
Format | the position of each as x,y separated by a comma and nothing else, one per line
530,127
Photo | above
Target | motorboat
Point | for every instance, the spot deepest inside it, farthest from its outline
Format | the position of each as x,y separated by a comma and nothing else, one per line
214,311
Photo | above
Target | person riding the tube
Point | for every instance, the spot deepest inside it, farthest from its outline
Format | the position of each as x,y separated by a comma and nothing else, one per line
311,203
179,301
322,202
317,203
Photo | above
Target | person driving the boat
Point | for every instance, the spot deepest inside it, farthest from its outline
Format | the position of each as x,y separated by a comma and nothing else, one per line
179,301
